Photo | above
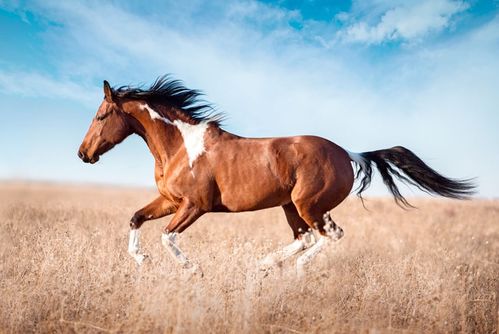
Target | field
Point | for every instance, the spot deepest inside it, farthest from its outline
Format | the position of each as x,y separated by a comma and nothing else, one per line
65,268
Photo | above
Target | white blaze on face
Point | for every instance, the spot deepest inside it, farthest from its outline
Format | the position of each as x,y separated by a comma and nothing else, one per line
192,134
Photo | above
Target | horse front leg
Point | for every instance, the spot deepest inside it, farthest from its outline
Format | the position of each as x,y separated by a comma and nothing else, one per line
186,214
158,208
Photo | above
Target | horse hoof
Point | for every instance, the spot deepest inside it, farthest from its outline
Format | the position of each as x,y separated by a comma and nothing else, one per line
140,258
338,234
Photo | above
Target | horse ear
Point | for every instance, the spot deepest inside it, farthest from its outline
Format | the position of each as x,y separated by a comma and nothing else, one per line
108,92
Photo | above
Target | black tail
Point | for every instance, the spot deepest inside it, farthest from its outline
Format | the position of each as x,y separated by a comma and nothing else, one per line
416,172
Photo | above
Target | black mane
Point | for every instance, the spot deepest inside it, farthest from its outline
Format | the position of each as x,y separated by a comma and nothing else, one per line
166,90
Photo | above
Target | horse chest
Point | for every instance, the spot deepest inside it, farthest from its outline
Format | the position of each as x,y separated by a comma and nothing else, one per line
178,183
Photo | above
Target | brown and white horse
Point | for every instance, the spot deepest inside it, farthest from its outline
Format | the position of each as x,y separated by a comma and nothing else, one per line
201,168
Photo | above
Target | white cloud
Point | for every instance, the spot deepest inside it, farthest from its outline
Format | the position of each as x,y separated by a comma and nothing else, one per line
408,21
35,84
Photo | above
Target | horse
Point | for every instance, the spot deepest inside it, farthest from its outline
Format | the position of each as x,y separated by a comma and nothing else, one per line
201,168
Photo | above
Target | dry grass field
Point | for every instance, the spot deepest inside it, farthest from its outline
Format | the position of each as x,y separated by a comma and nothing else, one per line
65,268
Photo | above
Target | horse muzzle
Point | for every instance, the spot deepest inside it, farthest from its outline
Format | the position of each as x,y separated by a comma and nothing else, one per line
85,158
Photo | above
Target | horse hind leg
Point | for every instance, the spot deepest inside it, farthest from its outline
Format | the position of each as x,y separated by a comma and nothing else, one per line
297,224
329,230
303,235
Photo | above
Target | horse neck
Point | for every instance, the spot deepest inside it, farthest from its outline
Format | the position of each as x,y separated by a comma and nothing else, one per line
159,134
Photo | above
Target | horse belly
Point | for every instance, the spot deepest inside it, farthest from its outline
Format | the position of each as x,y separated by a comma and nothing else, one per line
253,174
245,192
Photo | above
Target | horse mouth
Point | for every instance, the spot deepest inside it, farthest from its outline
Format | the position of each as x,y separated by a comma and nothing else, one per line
87,159
93,159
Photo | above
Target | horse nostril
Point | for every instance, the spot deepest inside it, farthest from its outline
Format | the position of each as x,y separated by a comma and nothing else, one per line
81,155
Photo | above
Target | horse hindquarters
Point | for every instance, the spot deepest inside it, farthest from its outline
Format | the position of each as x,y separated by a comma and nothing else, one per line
322,182
321,185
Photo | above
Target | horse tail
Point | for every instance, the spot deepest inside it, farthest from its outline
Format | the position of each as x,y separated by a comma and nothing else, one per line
415,171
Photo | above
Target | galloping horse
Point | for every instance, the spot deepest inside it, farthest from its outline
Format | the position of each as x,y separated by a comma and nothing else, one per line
201,168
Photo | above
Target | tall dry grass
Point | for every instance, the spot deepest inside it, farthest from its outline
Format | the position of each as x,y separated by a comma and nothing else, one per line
64,268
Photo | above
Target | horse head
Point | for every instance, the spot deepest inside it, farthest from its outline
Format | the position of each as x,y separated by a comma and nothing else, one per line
109,127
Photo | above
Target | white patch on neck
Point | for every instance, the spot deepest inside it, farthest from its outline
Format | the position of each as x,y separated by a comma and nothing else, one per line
192,134
154,114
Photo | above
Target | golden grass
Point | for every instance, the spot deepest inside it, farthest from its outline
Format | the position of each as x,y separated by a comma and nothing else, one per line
64,268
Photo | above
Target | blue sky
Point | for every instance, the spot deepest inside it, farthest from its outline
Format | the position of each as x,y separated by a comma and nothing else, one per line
364,74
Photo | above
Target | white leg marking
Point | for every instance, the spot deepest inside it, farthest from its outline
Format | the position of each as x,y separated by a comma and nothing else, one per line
272,259
332,230
310,254
307,240
169,241
134,246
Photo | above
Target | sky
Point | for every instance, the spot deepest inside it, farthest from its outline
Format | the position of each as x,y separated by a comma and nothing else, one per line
365,74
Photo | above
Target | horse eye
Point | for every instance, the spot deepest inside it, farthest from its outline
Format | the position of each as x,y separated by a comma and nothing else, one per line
101,117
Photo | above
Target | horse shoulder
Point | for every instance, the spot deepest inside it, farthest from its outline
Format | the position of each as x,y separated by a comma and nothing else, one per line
194,182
